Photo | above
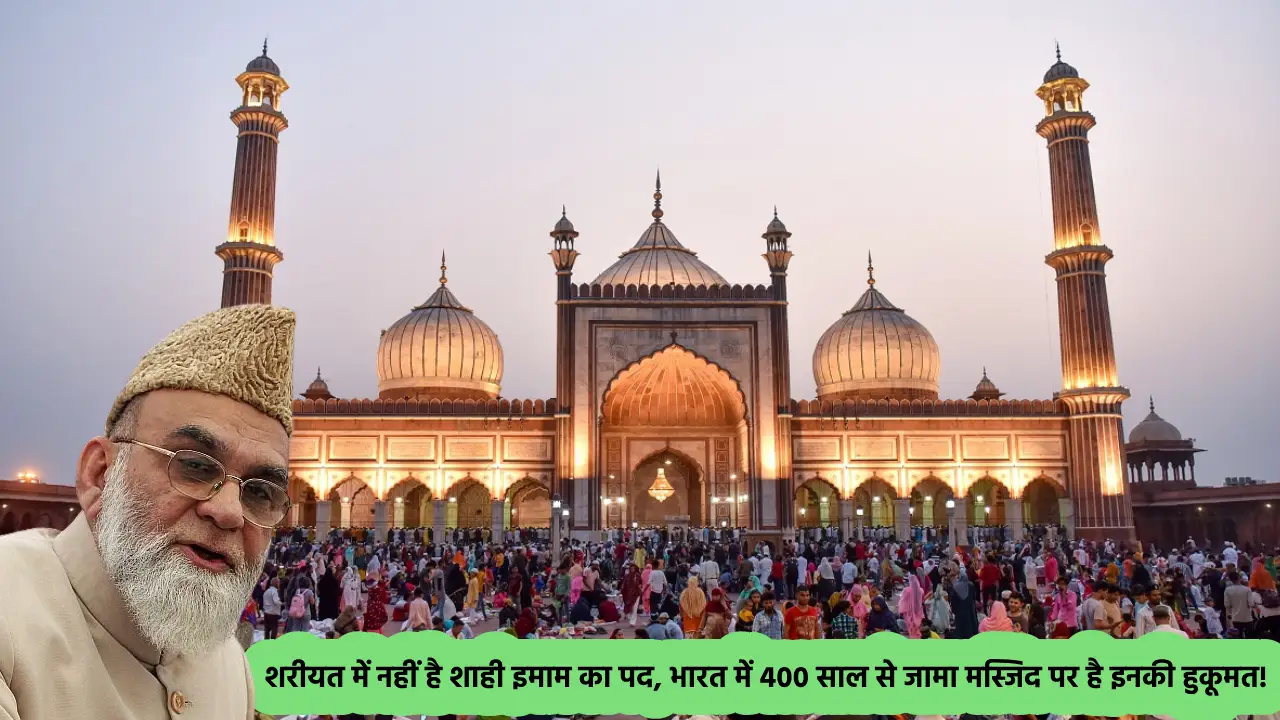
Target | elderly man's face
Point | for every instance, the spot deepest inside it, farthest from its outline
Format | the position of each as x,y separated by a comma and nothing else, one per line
248,443
184,567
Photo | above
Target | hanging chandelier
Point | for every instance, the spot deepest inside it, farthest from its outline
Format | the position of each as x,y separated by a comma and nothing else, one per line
660,490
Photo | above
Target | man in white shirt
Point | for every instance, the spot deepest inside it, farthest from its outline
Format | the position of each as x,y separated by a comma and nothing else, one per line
710,574
1231,555
1164,621
657,586
1197,564
1144,620
848,573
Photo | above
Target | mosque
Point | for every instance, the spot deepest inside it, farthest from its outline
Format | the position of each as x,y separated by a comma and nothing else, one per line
672,403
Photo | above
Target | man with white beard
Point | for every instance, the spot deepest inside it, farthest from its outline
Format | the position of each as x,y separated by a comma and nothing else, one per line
129,612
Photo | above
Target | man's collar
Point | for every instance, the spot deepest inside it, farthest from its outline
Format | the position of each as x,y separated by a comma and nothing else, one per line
77,549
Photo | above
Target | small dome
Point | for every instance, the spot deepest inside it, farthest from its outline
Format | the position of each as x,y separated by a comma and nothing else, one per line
986,390
1154,428
439,350
776,227
875,351
1060,70
262,63
318,389
563,226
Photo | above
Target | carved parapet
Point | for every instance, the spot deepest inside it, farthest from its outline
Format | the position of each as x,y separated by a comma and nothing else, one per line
456,407
935,408
672,292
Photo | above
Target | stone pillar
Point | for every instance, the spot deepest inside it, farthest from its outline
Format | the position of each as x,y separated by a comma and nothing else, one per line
437,524
846,520
902,519
381,523
397,513
1013,518
344,514
499,527
960,522
1067,512
323,511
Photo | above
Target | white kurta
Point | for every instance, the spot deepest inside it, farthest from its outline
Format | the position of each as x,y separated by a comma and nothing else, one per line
68,648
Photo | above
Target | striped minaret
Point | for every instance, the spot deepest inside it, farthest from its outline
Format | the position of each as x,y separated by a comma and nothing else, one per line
249,253
1091,387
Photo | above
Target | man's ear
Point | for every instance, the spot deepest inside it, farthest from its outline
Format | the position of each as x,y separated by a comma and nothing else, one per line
91,475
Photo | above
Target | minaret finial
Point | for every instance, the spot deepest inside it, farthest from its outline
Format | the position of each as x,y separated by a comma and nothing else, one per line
984,372
444,267
1152,400
657,197
871,271
775,212
1057,49
317,372
264,47
563,212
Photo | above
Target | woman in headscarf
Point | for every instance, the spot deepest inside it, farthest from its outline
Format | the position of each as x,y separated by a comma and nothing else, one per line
575,586
631,584
526,624
911,607
881,619
692,604
749,601
350,588
455,585
861,608
329,594
375,614
998,620
939,611
963,597
715,624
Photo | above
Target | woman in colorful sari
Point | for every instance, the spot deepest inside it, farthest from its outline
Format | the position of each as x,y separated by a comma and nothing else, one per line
1260,580
997,621
861,607
644,583
375,612
692,604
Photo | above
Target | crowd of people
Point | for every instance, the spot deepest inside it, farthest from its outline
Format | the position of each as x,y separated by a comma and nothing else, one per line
664,587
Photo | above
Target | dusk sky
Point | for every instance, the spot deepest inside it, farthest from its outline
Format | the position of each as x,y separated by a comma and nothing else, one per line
906,129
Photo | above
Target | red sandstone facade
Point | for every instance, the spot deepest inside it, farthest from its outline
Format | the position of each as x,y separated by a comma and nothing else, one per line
25,505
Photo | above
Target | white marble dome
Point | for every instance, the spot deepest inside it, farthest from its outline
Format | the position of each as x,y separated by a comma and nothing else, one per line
876,351
439,350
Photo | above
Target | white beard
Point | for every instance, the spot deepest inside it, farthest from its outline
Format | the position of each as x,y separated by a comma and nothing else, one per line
177,606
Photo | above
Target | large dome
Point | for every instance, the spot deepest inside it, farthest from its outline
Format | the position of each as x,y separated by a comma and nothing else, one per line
658,258
439,350
875,351
1154,428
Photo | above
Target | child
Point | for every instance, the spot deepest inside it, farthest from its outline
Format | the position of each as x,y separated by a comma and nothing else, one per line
1212,618
1124,630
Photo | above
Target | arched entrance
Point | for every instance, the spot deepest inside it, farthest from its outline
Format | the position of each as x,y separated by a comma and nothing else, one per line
986,502
351,504
677,412
8,523
26,522
686,499
929,503
817,504
468,505
303,497
410,503
528,505
1040,502
875,497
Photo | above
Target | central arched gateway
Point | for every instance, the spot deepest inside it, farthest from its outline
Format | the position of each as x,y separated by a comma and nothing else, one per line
675,412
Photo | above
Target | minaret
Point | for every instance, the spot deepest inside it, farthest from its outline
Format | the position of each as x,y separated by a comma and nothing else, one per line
249,253
778,256
563,255
1090,385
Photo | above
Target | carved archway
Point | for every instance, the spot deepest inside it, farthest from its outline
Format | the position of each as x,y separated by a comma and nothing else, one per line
817,503
303,497
986,501
468,505
1040,502
410,503
528,504
351,504
671,395
8,523
929,502
875,496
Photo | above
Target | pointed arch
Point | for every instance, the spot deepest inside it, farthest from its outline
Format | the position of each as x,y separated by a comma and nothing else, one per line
875,496
817,503
673,386
527,504
468,504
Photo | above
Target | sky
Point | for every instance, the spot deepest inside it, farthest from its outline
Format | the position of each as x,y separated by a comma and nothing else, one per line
904,129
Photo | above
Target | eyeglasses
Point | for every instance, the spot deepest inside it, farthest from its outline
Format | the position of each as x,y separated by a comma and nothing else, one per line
200,477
